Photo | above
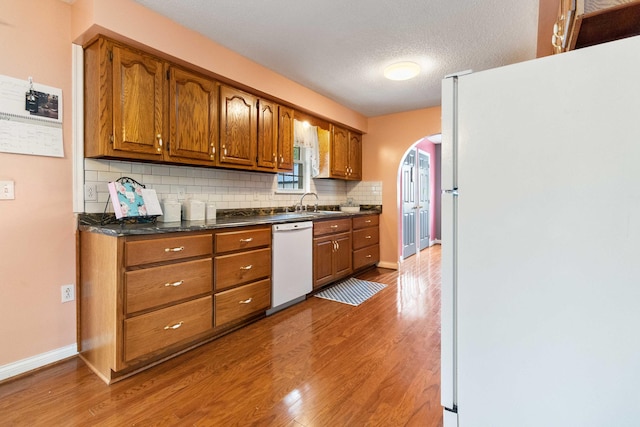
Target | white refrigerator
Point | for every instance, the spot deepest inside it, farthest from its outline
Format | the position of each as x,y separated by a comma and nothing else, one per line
541,242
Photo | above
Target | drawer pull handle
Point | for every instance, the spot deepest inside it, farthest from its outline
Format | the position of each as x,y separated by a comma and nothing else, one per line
247,267
250,239
368,256
178,249
334,226
247,301
174,284
176,326
368,221
367,237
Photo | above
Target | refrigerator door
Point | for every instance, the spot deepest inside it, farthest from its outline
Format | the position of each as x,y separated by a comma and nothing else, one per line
447,319
548,271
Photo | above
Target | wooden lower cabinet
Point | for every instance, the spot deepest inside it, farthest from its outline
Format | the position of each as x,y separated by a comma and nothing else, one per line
331,251
153,331
235,304
145,298
242,279
366,239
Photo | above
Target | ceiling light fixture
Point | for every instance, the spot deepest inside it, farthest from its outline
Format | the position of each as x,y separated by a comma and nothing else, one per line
402,71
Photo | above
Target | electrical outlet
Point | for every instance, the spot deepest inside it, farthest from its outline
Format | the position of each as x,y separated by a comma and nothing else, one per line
68,293
181,193
91,192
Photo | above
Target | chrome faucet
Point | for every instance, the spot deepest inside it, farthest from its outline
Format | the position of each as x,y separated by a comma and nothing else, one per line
301,207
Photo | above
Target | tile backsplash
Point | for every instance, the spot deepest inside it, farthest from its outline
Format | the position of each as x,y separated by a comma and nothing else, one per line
228,189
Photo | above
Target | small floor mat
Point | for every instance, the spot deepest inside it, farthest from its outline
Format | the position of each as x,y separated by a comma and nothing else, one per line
351,291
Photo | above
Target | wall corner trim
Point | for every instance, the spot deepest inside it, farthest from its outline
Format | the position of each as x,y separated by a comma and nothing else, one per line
37,361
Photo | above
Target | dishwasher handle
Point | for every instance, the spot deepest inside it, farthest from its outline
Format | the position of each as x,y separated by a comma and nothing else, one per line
292,226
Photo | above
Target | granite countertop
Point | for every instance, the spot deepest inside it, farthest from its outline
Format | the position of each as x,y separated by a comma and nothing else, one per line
225,219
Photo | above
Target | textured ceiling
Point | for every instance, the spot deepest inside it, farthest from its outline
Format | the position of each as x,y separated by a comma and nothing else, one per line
339,48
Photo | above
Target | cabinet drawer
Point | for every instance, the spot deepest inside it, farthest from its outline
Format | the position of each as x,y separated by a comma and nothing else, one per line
154,331
243,267
156,286
365,237
321,228
365,221
237,303
139,252
240,240
367,256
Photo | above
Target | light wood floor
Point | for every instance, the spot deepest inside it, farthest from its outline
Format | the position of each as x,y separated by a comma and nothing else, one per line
319,363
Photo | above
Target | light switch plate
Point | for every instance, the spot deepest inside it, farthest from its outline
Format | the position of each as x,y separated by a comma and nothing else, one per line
7,191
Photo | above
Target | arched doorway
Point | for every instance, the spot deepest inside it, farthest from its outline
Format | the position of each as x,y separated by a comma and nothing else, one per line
419,191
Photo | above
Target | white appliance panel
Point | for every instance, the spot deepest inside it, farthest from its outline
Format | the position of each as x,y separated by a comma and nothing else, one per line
548,238
292,262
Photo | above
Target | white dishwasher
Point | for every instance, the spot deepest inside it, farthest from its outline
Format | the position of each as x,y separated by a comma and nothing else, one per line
292,264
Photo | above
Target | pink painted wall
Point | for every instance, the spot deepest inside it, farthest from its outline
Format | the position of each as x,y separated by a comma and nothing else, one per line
37,229
434,171
385,146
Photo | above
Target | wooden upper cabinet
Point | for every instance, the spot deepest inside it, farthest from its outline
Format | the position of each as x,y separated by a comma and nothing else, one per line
138,95
285,138
238,128
267,135
355,157
124,102
192,118
339,152
345,154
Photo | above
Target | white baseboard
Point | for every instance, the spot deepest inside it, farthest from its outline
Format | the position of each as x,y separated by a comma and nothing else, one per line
435,242
390,265
37,361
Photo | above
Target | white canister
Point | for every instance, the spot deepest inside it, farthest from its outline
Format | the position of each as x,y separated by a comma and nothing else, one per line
194,210
211,211
170,211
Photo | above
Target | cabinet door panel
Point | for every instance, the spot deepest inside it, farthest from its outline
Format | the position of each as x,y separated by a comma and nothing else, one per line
192,117
342,256
138,100
323,249
238,128
285,138
339,152
355,157
267,135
